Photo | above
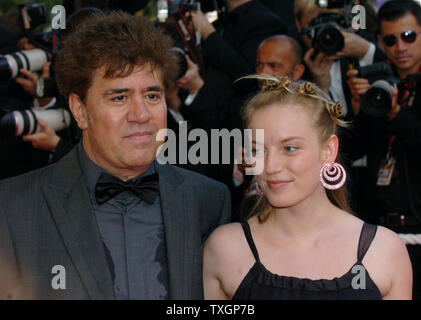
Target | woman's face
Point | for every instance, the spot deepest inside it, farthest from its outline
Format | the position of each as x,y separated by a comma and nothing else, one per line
292,153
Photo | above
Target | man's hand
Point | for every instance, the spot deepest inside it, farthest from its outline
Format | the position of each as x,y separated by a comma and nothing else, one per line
206,28
24,44
46,139
319,68
357,86
29,84
191,80
355,46
395,106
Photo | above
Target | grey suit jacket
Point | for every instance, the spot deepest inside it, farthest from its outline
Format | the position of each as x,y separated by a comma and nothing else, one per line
50,244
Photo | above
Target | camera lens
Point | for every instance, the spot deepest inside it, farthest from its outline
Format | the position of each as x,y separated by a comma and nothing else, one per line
22,122
31,60
377,101
329,40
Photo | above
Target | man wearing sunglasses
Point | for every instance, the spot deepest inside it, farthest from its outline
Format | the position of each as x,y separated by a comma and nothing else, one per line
393,142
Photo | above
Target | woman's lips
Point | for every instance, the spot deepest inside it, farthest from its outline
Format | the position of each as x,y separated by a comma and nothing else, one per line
278,184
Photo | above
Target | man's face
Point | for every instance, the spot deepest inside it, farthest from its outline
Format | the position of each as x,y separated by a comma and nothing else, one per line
405,56
275,58
304,23
120,120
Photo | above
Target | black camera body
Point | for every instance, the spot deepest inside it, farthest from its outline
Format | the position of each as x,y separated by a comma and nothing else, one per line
324,30
185,42
182,5
333,4
324,33
377,101
33,15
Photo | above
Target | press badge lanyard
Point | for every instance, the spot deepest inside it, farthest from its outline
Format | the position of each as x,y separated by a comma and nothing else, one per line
387,166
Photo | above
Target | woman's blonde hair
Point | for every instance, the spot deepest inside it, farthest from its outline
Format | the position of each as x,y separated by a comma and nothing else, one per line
326,118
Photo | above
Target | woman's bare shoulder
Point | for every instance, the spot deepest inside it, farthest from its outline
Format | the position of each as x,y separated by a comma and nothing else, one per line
225,237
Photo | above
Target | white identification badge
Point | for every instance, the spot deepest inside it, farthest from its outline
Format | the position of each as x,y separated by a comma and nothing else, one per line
386,171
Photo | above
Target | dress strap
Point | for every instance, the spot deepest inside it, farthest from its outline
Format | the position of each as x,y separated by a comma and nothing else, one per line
367,235
247,233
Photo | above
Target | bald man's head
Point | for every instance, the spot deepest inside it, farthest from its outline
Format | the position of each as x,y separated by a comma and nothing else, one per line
280,55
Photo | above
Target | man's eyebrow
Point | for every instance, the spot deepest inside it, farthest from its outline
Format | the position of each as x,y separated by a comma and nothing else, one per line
116,91
123,90
154,88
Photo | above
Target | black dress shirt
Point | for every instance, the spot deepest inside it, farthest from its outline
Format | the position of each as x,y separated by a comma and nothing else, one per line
132,232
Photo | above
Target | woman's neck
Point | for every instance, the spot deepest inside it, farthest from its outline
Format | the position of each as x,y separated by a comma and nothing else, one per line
305,221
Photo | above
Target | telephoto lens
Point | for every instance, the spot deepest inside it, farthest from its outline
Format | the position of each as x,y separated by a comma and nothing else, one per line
328,40
377,101
31,60
23,122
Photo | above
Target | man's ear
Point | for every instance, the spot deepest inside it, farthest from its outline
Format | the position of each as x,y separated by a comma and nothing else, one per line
298,72
298,24
79,111
330,150
380,42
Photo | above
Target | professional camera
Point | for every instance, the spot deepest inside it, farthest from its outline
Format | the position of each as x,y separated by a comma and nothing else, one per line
323,30
31,60
377,101
33,15
163,6
22,122
332,4
173,20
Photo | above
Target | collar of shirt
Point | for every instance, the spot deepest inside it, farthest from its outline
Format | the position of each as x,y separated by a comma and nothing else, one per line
92,171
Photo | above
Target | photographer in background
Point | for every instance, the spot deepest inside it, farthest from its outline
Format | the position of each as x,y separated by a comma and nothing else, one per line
328,70
206,107
393,141
230,44
47,139
22,93
17,156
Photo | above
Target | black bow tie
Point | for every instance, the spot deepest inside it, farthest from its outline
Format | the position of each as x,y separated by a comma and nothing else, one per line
108,186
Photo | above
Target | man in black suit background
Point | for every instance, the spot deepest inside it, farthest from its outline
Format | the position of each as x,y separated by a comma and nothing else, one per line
230,45
108,221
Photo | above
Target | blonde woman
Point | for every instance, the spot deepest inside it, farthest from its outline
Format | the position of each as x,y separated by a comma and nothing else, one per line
302,242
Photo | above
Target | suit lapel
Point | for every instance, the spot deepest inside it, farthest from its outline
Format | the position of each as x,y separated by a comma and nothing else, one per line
70,207
177,213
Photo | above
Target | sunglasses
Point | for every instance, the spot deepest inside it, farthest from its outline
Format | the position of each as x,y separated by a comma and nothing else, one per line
409,36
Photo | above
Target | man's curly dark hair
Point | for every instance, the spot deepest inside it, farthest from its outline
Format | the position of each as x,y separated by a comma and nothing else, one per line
118,42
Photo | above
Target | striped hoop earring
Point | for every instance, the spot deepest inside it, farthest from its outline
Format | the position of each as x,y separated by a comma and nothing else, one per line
333,176
258,190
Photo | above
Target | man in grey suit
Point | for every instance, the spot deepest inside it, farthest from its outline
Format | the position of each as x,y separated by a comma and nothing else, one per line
108,221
